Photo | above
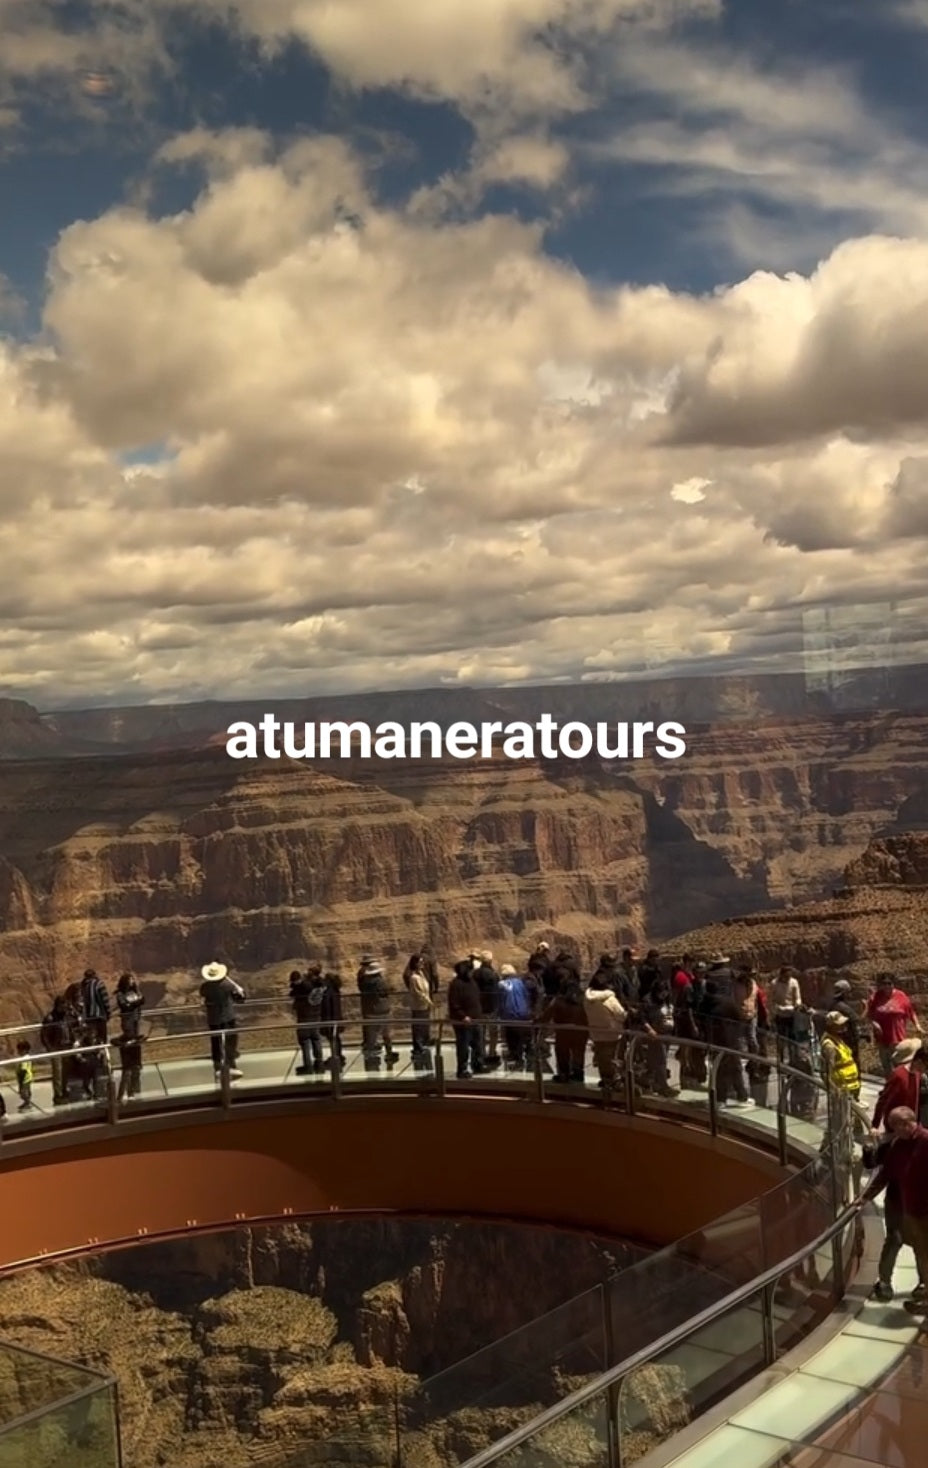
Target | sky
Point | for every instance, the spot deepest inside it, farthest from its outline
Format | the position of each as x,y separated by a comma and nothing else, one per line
366,344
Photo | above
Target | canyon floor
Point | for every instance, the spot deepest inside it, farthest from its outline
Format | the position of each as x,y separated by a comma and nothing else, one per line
295,1345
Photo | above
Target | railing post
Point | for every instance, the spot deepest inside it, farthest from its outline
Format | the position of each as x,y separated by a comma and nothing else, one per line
712,1091
613,1391
440,1085
782,1128
112,1102
225,1075
538,1066
628,1062
768,1322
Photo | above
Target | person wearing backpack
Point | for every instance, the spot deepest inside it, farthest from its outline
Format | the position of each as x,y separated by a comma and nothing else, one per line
307,994
516,1012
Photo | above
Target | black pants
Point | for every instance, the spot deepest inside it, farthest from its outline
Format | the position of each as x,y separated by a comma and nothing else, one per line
893,1242
223,1043
421,1034
517,1039
467,1049
377,1035
309,1038
730,1082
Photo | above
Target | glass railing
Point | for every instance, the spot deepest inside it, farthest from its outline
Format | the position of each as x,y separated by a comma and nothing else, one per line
55,1413
501,1390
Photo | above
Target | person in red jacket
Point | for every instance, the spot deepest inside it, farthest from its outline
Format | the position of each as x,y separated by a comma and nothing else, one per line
890,1011
904,1086
913,1188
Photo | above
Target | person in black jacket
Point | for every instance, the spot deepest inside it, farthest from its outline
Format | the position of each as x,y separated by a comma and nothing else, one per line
307,992
57,1034
721,1020
130,1001
487,981
330,1018
464,1012
841,1003
375,1015
649,973
220,995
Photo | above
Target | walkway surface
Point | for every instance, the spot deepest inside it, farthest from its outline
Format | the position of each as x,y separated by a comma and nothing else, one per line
871,1376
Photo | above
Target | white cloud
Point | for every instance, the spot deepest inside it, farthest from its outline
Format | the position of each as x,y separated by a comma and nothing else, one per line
399,451
798,138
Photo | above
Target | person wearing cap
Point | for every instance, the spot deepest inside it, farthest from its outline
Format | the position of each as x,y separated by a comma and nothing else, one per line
906,1084
841,1003
890,1011
376,1032
220,995
840,1071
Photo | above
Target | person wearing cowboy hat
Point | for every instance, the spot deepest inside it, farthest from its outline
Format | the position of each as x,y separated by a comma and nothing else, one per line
906,1084
220,994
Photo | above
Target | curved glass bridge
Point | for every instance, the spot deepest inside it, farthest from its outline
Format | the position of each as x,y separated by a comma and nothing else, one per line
749,1344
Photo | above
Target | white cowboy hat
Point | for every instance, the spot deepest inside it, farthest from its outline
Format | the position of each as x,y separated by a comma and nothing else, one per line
213,971
905,1051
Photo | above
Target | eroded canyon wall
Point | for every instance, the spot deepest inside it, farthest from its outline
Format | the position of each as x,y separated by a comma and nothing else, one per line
160,863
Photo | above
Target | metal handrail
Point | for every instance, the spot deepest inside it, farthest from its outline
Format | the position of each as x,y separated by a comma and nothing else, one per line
625,1049
616,1374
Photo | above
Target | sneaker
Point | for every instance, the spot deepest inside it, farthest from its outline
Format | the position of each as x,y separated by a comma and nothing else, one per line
747,1105
463,1075
919,1293
882,1291
235,1075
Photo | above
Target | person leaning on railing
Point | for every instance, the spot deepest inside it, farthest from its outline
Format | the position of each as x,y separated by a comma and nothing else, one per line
913,1185
220,995
887,1159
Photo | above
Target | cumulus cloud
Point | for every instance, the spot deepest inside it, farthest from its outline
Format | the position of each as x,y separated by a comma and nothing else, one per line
385,450
842,351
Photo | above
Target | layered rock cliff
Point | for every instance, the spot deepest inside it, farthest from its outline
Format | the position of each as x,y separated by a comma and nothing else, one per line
876,920
233,1348
163,862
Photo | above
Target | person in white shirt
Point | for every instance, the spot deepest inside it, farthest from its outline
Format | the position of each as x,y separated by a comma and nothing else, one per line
784,999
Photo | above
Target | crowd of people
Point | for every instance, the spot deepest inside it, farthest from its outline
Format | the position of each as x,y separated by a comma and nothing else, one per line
545,1013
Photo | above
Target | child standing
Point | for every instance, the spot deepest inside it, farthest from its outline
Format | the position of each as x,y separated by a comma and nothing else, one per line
24,1075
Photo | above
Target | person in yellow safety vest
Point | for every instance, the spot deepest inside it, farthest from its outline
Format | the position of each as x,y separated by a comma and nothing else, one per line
839,1067
838,1063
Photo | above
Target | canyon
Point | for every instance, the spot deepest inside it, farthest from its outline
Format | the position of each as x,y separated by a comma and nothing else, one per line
300,1343
160,861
